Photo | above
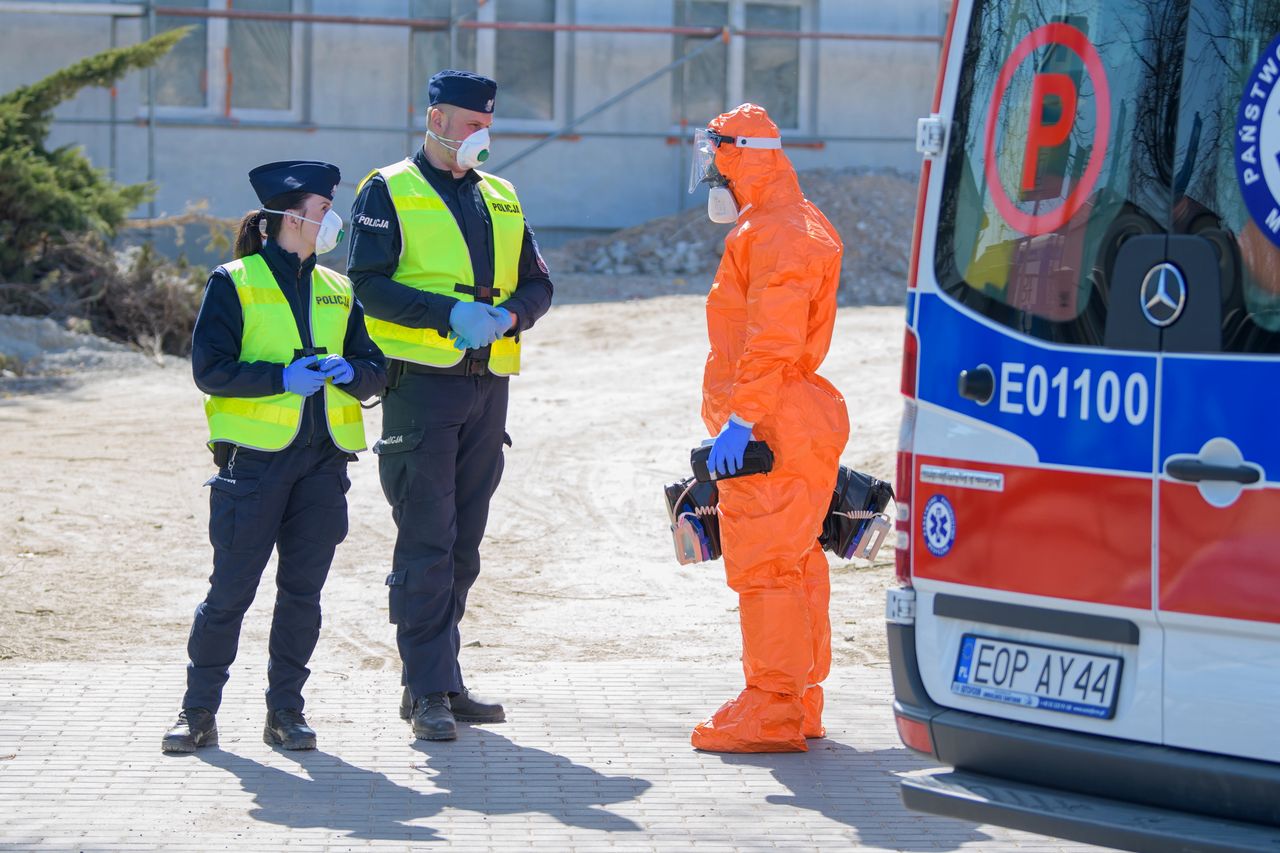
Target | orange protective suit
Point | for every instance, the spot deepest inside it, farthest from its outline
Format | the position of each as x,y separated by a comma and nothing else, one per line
770,315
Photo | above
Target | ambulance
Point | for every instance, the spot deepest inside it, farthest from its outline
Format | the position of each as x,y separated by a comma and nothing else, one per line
1086,626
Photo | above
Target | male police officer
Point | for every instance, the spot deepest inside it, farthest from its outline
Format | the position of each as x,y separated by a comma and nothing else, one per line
450,276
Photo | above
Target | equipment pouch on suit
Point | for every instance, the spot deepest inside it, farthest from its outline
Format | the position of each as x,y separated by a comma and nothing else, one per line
393,451
395,595
233,502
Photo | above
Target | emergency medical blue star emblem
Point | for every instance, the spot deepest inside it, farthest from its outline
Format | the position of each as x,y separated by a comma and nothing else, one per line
939,522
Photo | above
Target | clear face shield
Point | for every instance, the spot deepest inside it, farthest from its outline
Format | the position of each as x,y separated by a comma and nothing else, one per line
703,168
705,143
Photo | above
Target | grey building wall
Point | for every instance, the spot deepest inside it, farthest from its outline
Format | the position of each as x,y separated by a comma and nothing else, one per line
358,104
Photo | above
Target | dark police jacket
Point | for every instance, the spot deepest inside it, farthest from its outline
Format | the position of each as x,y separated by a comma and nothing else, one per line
375,254
215,344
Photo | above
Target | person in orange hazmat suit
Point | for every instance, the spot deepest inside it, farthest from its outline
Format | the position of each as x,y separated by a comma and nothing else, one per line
770,315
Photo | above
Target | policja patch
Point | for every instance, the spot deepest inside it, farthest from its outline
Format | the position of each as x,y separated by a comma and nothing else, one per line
1258,143
370,223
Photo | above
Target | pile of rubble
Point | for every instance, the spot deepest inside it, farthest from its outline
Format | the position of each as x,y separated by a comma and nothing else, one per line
873,210
37,353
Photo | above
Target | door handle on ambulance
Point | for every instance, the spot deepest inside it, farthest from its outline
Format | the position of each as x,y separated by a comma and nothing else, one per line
1195,471
978,384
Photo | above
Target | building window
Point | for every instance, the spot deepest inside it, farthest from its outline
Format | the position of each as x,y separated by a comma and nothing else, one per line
771,66
182,74
766,71
240,68
700,86
434,50
261,54
524,62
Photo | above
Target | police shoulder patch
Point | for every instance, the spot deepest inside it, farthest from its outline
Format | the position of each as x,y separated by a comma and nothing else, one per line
372,223
537,254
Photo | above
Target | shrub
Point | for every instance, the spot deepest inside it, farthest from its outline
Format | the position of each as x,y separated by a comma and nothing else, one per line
58,213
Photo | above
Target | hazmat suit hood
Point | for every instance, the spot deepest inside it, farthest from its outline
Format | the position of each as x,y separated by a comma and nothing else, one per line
758,178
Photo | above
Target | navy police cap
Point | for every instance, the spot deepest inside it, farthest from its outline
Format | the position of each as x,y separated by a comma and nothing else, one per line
287,176
462,89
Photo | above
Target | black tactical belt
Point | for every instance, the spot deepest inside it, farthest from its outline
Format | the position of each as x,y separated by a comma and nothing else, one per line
466,367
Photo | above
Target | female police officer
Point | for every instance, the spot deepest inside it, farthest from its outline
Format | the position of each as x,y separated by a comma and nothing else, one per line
280,349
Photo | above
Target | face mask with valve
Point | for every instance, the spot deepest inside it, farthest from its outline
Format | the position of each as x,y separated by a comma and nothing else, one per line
722,205
327,237
470,152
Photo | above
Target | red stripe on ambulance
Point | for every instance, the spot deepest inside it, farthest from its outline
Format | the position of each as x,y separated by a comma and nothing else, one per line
1085,537
1220,562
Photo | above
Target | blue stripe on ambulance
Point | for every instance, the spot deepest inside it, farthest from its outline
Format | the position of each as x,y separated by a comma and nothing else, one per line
1081,407
1206,398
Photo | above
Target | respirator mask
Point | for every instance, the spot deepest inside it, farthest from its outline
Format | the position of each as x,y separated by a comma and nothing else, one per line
327,238
855,524
470,152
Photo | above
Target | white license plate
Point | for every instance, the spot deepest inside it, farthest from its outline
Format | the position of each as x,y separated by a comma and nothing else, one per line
1034,676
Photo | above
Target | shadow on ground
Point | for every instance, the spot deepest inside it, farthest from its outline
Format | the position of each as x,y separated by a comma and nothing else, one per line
836,781
480,772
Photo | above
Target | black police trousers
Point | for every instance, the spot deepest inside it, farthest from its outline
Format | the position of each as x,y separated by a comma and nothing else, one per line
295,501
440,460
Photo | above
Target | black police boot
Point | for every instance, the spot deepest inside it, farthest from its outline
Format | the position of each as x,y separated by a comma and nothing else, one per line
195,728
406,704
288,729
467,707
432,719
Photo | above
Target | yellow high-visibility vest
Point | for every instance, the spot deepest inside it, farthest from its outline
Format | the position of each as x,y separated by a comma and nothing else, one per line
434,258
271,334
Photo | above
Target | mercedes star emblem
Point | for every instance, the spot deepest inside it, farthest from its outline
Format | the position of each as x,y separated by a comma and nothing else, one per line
1164,295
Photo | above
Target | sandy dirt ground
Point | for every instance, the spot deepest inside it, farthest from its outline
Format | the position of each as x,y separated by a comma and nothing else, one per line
104,550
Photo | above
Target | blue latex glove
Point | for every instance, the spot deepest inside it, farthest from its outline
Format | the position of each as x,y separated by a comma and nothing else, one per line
728,450
502,318
472,326
462,343
299,378
337,369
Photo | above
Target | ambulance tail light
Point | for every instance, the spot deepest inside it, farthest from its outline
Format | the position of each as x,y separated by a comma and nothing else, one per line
902,484
914,734
902,493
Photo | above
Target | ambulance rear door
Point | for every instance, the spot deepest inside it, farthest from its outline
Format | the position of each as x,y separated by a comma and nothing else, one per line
1033,489
1216,304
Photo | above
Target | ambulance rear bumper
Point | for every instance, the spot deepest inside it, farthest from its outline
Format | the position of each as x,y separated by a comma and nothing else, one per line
1103,777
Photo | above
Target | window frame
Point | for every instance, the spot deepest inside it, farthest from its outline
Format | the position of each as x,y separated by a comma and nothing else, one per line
735,65
217,50
486,64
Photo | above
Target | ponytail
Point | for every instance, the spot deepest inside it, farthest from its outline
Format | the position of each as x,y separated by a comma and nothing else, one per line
249,236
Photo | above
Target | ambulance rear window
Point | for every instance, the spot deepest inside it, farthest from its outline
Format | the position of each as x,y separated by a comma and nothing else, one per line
1022,236
1227,180
1080,124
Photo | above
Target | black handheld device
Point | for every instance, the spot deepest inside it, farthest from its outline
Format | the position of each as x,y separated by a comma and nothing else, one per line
757,459
306,351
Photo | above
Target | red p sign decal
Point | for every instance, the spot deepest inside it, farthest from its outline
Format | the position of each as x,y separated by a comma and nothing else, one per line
1041,135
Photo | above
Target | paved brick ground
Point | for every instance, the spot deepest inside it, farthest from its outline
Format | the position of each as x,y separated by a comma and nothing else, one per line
594,757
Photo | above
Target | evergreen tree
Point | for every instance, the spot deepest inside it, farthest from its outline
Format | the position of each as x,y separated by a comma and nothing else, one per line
48,197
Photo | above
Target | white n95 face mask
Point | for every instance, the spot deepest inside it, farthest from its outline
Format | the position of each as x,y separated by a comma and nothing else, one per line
470,152
330,233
